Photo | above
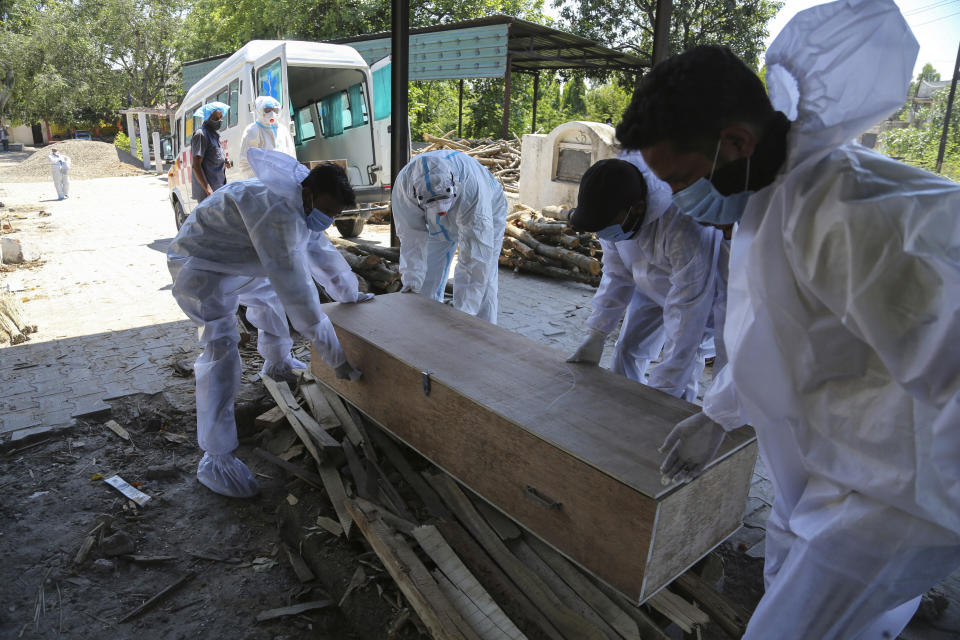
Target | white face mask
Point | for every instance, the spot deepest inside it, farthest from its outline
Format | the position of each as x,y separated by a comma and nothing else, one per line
318,221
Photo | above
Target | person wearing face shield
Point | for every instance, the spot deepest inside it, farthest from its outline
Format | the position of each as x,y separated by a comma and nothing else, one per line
843,313
247,244
659,267
264,133
444,201
209,162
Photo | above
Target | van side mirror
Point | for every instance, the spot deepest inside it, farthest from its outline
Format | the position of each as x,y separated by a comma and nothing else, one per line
166,149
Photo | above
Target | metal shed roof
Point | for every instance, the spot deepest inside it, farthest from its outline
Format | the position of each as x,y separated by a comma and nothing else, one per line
481,48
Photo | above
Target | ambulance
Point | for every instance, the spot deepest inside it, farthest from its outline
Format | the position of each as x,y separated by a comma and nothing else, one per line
327,96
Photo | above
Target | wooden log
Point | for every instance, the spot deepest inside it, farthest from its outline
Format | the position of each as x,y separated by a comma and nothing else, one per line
557,212
389,253
569,242
544,270
584,263
545,228
577,456
413,579
376,272
13,329
445,142
521,249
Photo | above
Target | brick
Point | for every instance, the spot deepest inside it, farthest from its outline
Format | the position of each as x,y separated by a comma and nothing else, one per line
19,420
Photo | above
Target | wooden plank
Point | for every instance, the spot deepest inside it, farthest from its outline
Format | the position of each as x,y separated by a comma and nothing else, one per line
561,589
681,612
364,484
649,630
301,421
317,403
615,616
270,419
293,610
413,579
561,448
571,625
466,593
399,461
730,616
304,574
333,483
343,416
307,476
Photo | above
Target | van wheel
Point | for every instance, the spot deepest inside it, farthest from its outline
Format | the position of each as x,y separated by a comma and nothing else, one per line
179,214
350,227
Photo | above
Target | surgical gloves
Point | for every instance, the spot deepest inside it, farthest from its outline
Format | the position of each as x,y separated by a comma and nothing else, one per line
591,350
689,447
347,371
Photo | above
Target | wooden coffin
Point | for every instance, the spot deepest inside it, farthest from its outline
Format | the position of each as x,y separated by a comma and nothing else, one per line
569,451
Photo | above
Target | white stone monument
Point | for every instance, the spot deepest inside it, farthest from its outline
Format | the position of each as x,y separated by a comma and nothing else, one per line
551,164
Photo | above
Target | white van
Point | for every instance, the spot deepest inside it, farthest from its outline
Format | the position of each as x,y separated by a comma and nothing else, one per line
326,92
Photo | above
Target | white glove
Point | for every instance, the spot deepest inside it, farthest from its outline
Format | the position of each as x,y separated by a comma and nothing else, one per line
690,446
407,288
363,297
592,348
347,371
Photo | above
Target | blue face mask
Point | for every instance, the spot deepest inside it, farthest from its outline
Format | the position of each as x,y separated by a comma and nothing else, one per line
318,220
702,202
614,233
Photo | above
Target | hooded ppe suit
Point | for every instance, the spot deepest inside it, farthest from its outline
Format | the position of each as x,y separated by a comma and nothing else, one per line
665,279
233,242
442,200
843,338
264,133
60,168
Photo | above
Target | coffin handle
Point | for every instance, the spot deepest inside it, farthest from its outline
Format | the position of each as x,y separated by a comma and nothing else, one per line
543,500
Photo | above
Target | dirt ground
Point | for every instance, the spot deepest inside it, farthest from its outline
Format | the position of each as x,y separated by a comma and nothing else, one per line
231,550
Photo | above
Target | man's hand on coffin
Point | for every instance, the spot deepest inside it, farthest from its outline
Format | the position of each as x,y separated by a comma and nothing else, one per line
347,371
591,350
689,447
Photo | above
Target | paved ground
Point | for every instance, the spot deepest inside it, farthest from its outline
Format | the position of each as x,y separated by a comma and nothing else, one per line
108,326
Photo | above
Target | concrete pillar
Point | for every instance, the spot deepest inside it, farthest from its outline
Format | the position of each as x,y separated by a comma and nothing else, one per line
132,133
144,141
156,152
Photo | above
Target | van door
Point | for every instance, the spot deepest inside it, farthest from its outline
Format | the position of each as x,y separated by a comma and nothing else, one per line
380,92
270,76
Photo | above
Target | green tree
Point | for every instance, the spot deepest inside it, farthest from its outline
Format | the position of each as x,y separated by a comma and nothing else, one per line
919,143
738,24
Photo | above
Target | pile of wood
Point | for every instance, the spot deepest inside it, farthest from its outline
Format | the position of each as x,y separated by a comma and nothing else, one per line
13,328
545,244
377,268
465,569
501,157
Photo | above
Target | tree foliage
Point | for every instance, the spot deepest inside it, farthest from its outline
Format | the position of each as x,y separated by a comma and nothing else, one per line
919,143
738,24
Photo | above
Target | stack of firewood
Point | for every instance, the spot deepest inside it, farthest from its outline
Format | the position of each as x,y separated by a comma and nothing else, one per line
501,157
546,245
377,268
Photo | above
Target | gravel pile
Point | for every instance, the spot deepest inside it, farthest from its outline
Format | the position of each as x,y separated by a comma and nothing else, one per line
89,159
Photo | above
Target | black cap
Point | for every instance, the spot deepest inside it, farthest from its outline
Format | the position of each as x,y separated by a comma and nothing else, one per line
607,188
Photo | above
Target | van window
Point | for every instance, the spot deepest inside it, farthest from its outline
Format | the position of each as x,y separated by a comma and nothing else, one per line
234,102
305,129
223,96
331,114
357,107
381,93
190,123
270,80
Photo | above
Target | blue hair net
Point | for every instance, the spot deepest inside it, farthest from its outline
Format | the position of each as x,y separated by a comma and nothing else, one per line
207,110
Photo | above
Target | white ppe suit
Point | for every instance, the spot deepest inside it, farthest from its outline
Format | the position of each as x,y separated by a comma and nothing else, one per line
475,221
249,244
665,278
264,133
843,339
59,169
